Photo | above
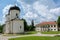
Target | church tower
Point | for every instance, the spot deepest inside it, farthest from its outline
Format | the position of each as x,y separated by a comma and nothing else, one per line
13,23
14,12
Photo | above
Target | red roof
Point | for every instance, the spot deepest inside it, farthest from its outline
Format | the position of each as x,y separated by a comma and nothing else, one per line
46,23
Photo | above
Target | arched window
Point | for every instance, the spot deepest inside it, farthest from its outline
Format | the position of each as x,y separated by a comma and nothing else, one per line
54,25
16,15
51,25
20,27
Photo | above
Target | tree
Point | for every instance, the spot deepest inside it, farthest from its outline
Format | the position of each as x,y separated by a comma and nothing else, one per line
1,28
58,21
25,25
32,25
28,27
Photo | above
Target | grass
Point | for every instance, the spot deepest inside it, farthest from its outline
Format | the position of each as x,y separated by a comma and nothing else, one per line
36,38
26,33
12,34
31,32
51,32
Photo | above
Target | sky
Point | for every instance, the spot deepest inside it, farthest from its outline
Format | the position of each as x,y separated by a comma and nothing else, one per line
37,10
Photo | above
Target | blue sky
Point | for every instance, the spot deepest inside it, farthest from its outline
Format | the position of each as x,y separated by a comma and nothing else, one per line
37,10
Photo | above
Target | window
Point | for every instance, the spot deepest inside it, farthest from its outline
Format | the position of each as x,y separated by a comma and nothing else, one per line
16,15
54,29
54,25
20,27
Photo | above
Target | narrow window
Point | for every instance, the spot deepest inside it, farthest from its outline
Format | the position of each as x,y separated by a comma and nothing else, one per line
16,15
20,27
54,25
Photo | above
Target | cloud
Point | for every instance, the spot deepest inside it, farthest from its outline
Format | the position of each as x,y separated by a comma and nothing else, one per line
5,11
30,15
40,10
55,11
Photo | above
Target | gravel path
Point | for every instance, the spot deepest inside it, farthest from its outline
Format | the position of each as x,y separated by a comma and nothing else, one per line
3,38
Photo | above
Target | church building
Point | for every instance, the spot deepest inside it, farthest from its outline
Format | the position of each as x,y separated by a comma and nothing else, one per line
13,23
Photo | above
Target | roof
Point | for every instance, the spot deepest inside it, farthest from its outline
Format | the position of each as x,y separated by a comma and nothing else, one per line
14,8
47,23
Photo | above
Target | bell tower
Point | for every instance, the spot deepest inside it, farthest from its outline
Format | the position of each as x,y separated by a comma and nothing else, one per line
14,12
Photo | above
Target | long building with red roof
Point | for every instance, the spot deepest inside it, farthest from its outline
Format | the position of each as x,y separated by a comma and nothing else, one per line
47,26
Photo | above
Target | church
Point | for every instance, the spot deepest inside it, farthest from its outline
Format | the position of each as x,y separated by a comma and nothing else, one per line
13,23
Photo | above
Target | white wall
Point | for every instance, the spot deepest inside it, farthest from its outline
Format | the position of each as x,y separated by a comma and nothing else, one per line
13,14
52,28
6,28
7,17
38,28
16,26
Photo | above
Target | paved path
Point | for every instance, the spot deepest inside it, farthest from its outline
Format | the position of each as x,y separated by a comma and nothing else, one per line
38,34
3,38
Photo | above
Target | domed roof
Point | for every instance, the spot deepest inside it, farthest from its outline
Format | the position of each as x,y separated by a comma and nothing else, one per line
15,8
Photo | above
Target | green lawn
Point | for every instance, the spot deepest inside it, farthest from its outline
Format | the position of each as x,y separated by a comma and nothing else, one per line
51,32
31,32
36,38
27,33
